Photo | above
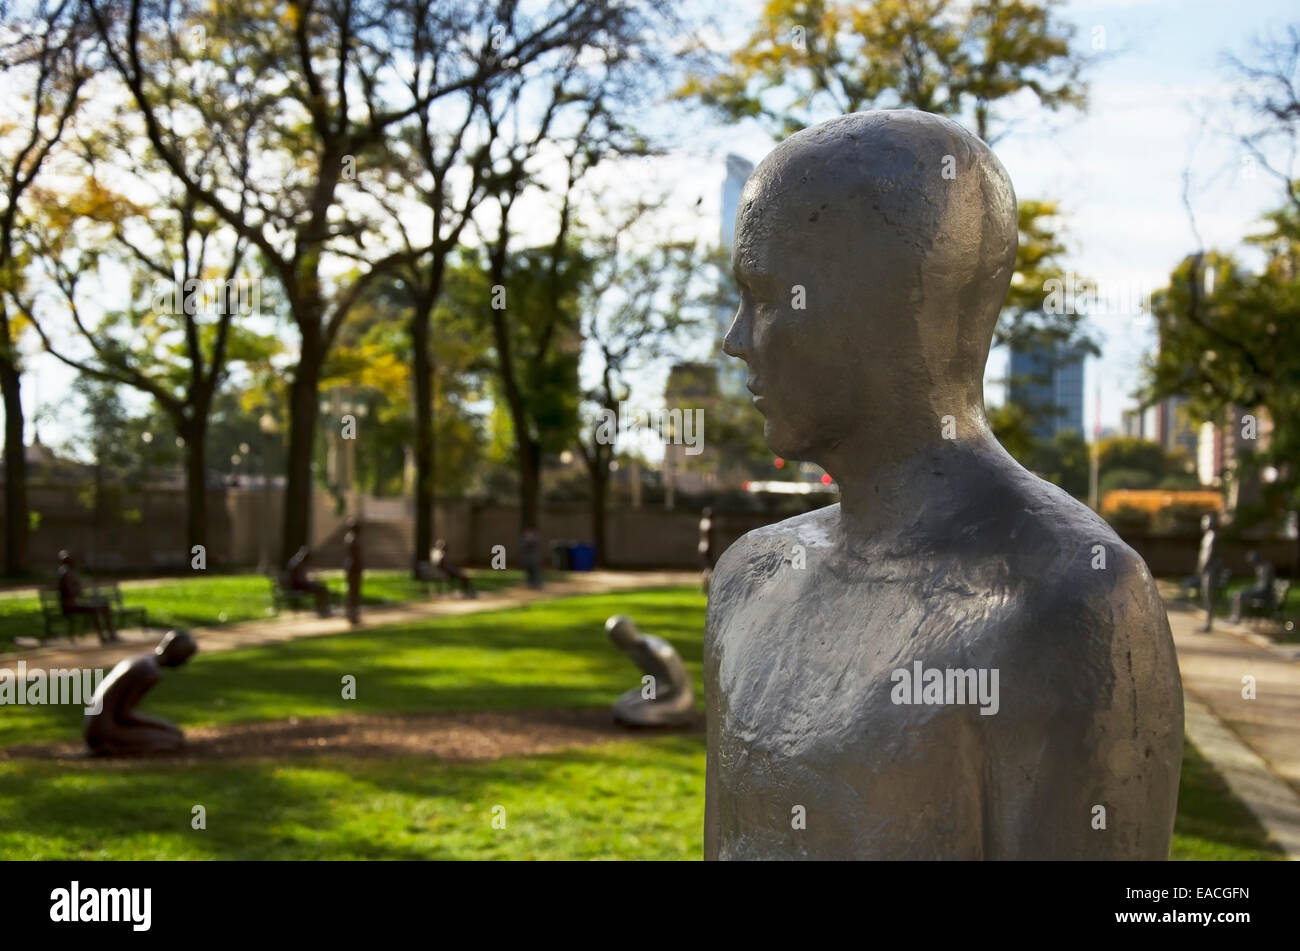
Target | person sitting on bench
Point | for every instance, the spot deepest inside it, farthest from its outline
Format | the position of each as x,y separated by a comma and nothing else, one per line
1262,593
441,563
72,603
296,578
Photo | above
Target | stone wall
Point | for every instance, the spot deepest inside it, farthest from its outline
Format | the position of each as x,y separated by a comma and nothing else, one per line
143,531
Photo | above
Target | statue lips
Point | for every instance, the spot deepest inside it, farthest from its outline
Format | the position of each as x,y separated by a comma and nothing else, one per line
758,397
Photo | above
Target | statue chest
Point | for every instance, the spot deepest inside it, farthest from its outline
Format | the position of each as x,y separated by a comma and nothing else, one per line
803,698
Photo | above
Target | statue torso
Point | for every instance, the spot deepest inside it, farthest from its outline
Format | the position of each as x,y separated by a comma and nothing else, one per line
799,685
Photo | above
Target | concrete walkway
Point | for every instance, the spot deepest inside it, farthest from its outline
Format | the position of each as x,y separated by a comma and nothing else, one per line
290,627
1253,743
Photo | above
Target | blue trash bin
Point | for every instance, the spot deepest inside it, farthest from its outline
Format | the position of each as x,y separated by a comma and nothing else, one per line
582,557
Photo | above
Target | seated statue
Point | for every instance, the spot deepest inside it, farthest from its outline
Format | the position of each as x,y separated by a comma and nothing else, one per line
666,699
73,601
117,729
443,565
297,578
1262,595
957,660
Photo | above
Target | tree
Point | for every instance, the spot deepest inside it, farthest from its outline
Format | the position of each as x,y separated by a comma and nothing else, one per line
812,59
44,52
634,308
570,118
298,96
178,332
1230,341
809,59
449,46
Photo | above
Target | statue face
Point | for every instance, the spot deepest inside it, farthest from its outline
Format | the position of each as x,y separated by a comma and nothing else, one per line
815,323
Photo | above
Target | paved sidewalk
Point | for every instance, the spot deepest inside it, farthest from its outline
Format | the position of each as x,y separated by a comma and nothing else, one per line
1254,743
289,627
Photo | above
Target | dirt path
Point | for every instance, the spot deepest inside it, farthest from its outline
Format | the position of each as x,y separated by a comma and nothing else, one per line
455,737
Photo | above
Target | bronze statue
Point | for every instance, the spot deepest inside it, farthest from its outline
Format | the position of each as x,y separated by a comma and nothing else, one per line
705,548
958,660
1209,568
352,569
297,579
665,697
117,728
72,602
441,563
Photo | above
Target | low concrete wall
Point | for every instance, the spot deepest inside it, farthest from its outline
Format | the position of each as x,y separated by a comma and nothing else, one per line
140,530
1175,556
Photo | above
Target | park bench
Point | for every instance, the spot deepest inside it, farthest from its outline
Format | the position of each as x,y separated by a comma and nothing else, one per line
432,574
1261,608
55,621
283,596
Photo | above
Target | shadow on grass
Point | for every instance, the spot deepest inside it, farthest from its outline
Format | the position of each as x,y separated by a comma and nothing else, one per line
546,655
1211,822
629,800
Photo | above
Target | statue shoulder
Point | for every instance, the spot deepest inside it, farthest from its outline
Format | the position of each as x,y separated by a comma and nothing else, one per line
756,556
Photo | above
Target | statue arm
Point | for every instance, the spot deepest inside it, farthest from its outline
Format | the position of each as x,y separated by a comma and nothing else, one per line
1088,760
712,838
727,580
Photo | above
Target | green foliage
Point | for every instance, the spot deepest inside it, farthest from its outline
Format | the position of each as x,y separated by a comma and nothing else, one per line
807,61
542,313
1230,342
1135,454
1181,518
1125,479
1063,461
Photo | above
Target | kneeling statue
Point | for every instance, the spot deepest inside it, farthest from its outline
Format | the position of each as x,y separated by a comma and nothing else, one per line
116,729
665,697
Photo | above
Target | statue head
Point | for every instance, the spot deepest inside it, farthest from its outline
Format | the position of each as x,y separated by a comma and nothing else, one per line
622,631
65,557
176,647
873,253
1252,557
1209,522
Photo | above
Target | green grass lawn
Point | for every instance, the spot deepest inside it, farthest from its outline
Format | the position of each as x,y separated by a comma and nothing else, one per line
637,799
212,600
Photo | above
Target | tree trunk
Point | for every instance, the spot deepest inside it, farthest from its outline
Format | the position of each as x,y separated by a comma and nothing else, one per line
599,503
15,471
302,436
195,434
422,366
530,482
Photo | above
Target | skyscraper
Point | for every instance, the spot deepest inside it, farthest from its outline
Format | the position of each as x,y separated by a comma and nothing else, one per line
1047,381
731,372
738,172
